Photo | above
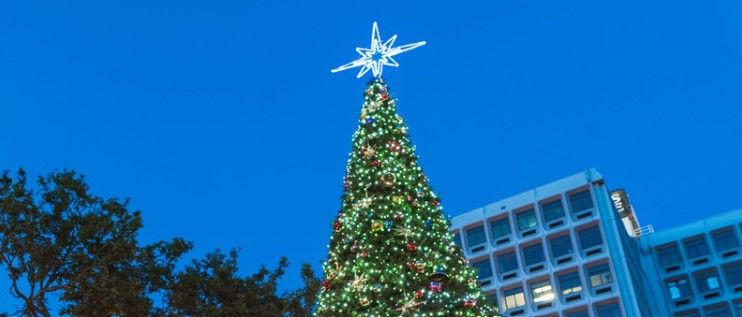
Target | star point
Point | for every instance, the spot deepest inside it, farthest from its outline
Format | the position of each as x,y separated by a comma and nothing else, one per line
378,55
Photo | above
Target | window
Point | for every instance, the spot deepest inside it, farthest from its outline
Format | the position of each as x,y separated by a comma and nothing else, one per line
590,237
484,268
542,292
514,298
725,240
500,228
707,281
733,273
688,314
570,284
526,220
581,201
582,313
533,254
719,311
553,210
600,276
560,246
507,262
696,248
669,255
475,236
610,310
679,289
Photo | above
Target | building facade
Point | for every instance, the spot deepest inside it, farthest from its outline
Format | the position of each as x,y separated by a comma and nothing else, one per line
572,248
697,267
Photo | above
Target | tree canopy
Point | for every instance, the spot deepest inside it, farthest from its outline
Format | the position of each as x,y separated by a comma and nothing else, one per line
59,239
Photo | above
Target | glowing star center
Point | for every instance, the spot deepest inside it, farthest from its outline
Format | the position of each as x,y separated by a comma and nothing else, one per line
379,55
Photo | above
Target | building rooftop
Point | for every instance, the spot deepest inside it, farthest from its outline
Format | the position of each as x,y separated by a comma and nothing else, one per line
703,225
527,197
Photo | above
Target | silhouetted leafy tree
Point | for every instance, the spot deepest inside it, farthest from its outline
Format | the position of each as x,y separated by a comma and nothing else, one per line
57,239
60,238
211,287
301,303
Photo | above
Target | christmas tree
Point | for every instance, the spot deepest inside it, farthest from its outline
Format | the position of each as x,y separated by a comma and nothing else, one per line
391,253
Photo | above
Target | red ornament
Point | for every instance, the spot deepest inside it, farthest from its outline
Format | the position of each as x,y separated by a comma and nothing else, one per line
364,254
375,163
394,146
384,96
398,217
411,246
337,225
411,266
419,294
410,198
436,202
470,303
326,285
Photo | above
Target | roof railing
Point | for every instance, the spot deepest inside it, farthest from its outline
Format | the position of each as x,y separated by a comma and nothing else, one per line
645,230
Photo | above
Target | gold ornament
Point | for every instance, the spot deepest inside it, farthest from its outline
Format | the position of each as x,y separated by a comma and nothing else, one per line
387,180
364,203
397,199
364,301
359,282
368,152
409,306
473,282
420,266
333,273
377,226
406,233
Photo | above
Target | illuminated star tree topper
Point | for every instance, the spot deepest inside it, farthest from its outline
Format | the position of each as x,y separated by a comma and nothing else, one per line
379,55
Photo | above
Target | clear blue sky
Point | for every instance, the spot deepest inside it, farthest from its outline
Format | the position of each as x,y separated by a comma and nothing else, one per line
222,122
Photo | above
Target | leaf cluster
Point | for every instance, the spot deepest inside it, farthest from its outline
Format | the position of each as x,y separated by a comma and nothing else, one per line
58,239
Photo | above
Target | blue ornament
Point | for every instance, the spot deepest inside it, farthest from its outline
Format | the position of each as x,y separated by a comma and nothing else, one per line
389,224
439,275
370,214
428,224
370,120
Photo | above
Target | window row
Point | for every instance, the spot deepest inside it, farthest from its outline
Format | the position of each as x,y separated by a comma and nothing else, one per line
560,249
697,250
526,221
568,287
706,283
612,309
714,310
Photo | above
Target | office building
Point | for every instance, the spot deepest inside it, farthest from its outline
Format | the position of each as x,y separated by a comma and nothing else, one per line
573,248
697,268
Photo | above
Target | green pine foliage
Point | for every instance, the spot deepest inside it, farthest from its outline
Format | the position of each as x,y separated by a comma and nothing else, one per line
391,253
